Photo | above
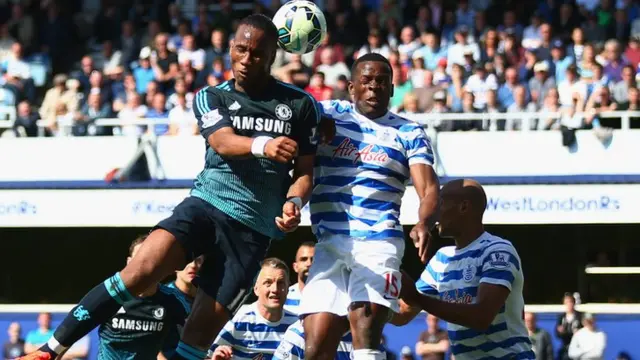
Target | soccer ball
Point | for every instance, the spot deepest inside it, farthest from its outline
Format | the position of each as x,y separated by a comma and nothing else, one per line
301,26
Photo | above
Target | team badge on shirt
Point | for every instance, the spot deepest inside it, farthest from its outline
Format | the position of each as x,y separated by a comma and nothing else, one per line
468,272
283,112
158,313
499,259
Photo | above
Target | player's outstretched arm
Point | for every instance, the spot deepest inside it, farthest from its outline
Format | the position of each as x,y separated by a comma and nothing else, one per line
217,128
427,185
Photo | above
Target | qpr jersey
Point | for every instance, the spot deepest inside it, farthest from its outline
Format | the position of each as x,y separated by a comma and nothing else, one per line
361,176
454,275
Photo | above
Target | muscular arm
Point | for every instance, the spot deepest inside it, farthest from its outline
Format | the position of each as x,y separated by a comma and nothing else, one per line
227,143
302,182
426,183
477,316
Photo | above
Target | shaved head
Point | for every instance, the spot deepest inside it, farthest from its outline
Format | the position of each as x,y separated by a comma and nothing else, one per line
463,204
467,190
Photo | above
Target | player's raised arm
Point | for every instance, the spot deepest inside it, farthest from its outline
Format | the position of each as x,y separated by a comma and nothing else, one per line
425,181
217,127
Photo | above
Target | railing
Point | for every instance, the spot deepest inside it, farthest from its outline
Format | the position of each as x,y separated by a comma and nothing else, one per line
425,119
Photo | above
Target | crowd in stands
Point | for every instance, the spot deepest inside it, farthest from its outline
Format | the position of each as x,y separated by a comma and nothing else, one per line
567,60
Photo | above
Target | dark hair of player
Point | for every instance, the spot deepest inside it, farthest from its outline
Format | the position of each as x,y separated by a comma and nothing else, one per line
275,263
139,240
375,57
307,244
263,23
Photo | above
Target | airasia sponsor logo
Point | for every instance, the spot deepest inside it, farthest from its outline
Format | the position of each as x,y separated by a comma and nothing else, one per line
348,150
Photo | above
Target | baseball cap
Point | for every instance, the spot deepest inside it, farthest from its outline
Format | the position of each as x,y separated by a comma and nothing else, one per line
558,44
541,66
406,350
145,53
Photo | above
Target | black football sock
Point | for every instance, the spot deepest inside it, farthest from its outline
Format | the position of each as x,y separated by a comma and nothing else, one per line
101,303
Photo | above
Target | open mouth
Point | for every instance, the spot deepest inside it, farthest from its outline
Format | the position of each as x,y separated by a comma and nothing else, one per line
372,101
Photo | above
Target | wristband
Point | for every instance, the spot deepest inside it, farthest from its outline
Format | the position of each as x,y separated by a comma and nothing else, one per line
258,145
296,200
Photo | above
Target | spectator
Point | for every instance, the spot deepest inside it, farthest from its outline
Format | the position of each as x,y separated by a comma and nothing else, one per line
589,342
559,60
614,63
318,89
218,49
531,35
38,337
632,52
433,343
455,90
331,69
128,43
26,123
400,88
341,91
620,90
432,52
576,48
14,347
520,105
6,42
439,107
180,89
632,104
108,58
425,94
505,91
540,84
86,68
327,42
540,339
543,52
571,87
15,62
53,97
189,52
182,121
599,102
158,111
295,72
417,71
406,353
467,107
375,44
94,109
409,42
548,119
409,105
492,107
479,83
567,325
133,110
164,62
456,53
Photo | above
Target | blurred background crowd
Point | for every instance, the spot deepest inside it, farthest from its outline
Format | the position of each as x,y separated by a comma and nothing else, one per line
70,62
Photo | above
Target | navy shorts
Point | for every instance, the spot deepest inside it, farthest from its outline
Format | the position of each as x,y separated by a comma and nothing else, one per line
233,251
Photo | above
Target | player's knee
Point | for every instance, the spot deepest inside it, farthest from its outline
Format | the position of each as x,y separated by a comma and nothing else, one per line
367,321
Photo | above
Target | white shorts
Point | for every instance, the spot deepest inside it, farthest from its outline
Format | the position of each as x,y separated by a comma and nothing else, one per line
347,270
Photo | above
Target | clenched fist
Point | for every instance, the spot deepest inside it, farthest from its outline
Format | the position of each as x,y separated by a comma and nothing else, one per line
281,149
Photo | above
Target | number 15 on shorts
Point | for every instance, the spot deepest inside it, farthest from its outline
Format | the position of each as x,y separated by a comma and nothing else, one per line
392,285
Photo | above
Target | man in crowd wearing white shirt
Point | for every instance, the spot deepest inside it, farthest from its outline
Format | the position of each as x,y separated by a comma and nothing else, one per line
589,342
455,54
479,83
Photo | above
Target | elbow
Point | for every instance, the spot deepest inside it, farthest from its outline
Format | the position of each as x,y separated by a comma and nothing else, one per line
482,323
220,145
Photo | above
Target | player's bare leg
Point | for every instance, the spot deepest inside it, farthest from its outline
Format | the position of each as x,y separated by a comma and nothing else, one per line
206,320
367,321
323,332
159,256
